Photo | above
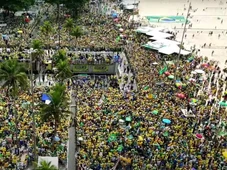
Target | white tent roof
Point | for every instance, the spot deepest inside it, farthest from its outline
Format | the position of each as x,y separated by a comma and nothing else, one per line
173,49
159,34
130,7
166,41
144,29
165,50
166,47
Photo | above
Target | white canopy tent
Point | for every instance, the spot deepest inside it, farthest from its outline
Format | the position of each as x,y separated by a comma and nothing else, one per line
166,41
165,46
159,34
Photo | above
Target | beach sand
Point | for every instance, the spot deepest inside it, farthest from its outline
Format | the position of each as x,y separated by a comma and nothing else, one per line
205,16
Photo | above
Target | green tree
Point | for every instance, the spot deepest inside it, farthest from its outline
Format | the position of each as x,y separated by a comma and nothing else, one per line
46,29
16,5
57,109
77,32
14,78
38,55
69,26
63,71
60,56
44,165
74,6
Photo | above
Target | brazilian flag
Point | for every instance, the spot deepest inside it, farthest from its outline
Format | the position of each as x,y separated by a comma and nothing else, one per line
163,70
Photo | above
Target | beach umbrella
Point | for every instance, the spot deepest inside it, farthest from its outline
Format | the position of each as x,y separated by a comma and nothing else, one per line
223,103
146,88
120,148
194,100
114,15
20,31
140,138
130,137
205,65
171,77
178,84
128,119
155,112
191,79
112,137
199,71
199,136
167,73
165,134
56,139
222,134
180,95
167,121
46,98
150,96
121,29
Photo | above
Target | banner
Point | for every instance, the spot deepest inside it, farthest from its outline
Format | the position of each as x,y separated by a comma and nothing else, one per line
166,19
100,68
80,68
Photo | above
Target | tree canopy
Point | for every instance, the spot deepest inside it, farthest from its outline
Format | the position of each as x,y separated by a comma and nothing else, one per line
16,5
45,166
73,5
12,73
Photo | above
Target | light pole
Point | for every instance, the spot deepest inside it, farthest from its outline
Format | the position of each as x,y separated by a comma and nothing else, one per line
32,104
72,144
182,39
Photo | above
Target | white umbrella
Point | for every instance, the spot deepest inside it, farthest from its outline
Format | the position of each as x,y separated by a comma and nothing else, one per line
199,71
191,79
193,72
121,29
155,63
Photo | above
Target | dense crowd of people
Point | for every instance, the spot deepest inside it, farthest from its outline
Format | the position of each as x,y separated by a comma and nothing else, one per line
152,115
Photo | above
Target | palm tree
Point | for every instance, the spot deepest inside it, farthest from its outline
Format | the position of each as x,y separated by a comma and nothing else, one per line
44,165
61,55
57,109
46,30
76,32
15,80
63,71
13,76
69,26
38,54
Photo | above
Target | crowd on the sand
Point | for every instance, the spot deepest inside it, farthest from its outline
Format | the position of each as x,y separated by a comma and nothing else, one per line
172,120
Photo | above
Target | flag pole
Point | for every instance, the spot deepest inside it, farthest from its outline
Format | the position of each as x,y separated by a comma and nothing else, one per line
182,39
